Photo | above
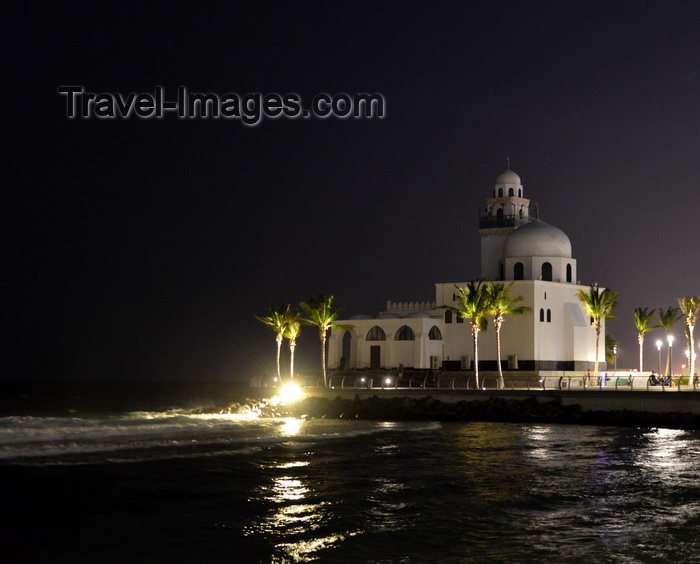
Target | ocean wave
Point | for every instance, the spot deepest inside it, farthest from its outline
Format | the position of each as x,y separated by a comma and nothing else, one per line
36,429
171,434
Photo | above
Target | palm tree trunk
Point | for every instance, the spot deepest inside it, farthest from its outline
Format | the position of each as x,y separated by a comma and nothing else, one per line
475,336
323,358
280,338
292,346
501,382
641,351
667,372
691,354
597,340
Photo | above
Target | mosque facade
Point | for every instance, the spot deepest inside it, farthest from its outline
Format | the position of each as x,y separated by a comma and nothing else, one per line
516,248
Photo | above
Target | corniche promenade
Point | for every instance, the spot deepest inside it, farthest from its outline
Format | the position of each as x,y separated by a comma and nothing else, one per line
547,399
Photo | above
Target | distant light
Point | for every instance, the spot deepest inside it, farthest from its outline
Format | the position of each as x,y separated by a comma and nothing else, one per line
658,344
362,379
670,340
387,381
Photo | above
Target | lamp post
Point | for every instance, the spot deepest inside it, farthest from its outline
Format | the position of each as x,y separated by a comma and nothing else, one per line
658,346
615,353
670,356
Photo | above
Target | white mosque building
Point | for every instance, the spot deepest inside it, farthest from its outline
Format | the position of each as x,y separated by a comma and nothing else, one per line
517,248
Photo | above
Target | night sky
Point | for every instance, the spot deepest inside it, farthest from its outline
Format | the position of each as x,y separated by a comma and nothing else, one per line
140,249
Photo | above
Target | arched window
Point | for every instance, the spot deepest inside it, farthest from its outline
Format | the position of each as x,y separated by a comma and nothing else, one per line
435,334
549,316
568,273
510,192
405,333
376,333
547,271
460,319
541,315
500,192
520,193
521,213
448,316
499,213
518,271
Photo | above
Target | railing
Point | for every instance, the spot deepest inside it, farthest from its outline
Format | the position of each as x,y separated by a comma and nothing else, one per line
384,379
487,222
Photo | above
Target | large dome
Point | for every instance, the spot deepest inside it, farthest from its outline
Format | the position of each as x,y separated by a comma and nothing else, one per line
537,239
508,177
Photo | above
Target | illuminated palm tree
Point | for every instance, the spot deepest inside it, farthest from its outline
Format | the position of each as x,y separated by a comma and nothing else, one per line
500,305
474,302
277,321
689,309
319,313
291,331
667,319
598,305
642,319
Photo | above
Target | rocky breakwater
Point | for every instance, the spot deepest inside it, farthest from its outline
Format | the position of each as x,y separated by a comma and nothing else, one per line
492,409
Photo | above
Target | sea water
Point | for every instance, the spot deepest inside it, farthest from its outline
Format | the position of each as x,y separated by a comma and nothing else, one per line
172,485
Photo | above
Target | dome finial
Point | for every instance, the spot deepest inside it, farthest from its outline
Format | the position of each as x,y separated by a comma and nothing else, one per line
507,163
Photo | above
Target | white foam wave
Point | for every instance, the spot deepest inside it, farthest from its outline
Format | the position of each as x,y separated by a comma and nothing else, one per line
34,429
168,435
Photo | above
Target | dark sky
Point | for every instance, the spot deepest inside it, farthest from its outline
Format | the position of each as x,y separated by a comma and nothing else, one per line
142,248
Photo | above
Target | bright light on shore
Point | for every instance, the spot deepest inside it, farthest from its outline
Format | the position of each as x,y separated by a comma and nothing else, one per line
290,393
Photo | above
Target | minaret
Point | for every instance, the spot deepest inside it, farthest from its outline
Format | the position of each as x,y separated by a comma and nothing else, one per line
505,211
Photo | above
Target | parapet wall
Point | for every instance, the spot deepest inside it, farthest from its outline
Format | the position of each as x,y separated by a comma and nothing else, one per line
668,401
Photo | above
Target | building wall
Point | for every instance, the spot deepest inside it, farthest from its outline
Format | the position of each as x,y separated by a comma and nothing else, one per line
411,353
491,253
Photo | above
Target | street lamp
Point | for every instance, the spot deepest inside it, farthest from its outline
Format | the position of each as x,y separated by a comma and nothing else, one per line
615,353
658,346
670,355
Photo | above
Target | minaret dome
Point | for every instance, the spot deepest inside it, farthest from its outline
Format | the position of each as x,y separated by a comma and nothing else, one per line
508,177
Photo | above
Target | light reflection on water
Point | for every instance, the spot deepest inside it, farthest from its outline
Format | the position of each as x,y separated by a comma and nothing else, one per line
292,490
502,492
291,426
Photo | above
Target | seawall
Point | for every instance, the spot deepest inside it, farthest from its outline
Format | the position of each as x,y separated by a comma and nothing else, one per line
669,408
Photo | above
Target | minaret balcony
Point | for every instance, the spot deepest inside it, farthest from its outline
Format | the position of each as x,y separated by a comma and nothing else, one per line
487,221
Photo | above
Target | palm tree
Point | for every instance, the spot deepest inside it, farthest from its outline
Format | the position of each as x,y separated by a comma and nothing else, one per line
689,308
598,305
319,313
291,331
667,319
500,305
611,344
277,320
474,302
642,319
